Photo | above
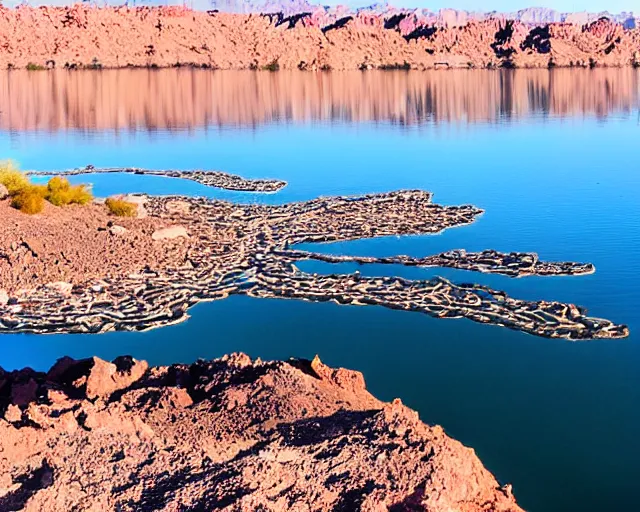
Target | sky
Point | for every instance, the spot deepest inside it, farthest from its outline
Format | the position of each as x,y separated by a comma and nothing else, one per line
613,6
595,6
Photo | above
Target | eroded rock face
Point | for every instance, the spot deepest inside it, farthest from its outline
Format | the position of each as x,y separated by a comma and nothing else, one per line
228,434
340,39
97,378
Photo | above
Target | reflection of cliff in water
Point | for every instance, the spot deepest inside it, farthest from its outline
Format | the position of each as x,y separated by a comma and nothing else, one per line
185,98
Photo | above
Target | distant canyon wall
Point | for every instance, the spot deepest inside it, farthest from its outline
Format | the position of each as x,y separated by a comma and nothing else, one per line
186,99
172,36
443,17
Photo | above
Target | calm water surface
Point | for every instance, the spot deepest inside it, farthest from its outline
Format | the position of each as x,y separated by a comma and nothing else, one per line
553,158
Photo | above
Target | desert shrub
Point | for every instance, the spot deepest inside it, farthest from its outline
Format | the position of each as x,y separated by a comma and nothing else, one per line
274,65
12,178
29,199
120,207
34,67
60,192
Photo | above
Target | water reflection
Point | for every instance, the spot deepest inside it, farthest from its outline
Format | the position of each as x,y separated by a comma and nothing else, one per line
178,99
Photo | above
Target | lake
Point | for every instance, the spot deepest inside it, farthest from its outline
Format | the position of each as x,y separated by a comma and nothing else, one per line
551,156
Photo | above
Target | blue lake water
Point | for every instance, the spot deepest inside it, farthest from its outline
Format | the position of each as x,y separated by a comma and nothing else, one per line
559,420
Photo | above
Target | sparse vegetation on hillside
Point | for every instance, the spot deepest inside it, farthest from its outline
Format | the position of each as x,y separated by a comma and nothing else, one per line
30,197
61,193
274,65
12,178
120,207
29,200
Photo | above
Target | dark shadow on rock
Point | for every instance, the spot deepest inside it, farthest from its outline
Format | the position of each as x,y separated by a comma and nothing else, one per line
281,19
393,22
538,40
31,483
503,37
208,379
342,22
219,484
316,430
353,498
412,503
421,32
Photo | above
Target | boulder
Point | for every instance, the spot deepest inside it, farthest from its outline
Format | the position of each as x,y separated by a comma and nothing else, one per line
349,380
178,206
139,201
13,414
35,246
4,193
118,230
61,287
106,378
170,233
95,377
4,297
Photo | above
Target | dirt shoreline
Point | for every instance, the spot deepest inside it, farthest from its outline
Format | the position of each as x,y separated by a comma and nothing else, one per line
228,434
86,37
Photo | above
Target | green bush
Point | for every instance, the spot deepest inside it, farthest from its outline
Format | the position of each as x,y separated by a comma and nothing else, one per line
274,65
61,193
29,200
120,207
34,67
12,178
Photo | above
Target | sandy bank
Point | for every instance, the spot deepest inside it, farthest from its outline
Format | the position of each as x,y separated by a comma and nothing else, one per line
119,37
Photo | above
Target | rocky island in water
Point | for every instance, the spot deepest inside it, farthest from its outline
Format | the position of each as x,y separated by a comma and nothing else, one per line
236,434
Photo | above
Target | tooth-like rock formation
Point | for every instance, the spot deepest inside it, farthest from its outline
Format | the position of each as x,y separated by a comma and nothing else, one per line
229,434
119,37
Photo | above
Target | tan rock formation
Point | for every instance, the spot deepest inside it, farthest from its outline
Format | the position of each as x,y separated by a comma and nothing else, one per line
229,434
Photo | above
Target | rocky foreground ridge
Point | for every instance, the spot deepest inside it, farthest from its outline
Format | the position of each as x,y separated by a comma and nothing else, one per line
228,434
79,36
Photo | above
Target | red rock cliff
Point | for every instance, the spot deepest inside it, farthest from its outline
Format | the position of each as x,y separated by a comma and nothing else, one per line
118,37
228,434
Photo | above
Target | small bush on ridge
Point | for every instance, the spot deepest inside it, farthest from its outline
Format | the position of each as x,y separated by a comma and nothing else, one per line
61,193
274,65
30,199
12,178
120,207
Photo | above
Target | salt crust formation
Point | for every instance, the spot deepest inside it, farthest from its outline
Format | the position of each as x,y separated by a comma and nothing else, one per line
74,270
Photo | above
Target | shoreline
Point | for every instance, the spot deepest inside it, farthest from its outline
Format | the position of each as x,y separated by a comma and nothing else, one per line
201,250
107,37
214,179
